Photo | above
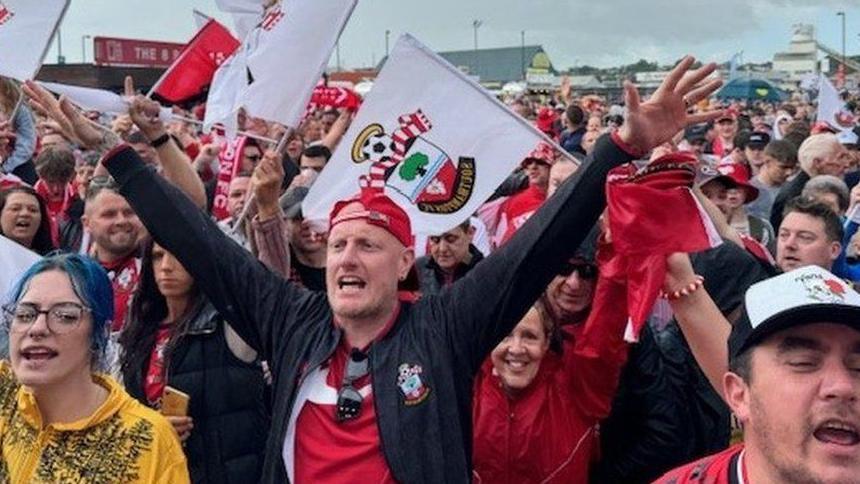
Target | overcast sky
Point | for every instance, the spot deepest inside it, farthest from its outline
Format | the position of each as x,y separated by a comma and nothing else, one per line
573,32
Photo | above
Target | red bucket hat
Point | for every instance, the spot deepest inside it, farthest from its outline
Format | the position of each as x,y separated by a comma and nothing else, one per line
741,176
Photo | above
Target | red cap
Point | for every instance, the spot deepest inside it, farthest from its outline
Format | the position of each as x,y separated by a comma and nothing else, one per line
545,119
730,113
741,176
544,153
378,210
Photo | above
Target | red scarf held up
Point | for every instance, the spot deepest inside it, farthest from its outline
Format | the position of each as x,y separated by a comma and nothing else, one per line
653,213
229,161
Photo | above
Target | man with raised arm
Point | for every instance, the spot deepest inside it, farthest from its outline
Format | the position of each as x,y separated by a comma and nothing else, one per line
367,387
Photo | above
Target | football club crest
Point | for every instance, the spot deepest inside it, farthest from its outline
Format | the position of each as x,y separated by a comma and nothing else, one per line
823,290
409,163
5,13
409,380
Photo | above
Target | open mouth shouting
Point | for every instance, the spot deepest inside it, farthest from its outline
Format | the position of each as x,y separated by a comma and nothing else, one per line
350,283
837,432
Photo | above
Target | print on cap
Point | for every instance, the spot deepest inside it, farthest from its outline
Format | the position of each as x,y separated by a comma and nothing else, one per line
407,162
409,381
823,290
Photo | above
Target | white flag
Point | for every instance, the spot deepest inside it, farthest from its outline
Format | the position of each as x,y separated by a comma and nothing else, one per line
228,84
91,99
288,52
246,14
15,259
436,142
832,109
26,30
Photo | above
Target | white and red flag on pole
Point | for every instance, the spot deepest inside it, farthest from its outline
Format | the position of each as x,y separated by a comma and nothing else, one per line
287,55
433,140
26,30
191,73
832,109
274,72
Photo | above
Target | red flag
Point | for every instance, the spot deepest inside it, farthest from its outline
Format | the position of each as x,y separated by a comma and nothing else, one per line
653,213
190,75
335,97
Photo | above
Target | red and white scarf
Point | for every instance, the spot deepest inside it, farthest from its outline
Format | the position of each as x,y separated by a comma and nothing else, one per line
229,162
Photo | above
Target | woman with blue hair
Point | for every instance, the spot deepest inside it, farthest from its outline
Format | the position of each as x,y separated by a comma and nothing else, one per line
61,420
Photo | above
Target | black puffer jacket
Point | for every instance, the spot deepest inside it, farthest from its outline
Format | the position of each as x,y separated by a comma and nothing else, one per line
231,423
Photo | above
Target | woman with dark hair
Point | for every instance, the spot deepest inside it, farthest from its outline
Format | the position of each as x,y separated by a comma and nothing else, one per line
24,219
174,337
61,419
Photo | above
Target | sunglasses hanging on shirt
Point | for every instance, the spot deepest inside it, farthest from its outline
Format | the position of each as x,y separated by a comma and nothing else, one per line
348,398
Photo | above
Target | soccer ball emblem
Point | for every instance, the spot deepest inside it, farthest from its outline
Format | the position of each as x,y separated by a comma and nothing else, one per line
378,147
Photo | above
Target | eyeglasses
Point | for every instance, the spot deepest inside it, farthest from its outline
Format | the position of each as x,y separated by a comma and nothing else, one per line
585,271
348,398
62,318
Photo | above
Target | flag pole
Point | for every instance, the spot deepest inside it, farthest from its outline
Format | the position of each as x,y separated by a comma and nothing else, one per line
281,151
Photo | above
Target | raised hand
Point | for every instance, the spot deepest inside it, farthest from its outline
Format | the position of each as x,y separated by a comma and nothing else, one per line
654,121
144,112
71,122
266,184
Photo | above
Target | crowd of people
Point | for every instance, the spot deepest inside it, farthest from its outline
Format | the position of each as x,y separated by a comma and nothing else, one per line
178,264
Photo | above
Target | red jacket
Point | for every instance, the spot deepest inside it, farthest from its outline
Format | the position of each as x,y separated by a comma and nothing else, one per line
549,432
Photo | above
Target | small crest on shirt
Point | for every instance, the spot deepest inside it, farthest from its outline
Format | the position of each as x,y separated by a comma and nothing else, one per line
410,383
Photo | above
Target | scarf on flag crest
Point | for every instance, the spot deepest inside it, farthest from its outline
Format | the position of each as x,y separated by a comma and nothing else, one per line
653,213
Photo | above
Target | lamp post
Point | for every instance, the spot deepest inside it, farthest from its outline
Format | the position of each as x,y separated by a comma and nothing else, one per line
387,33
523,52
84,39
475,24
841,75
60,58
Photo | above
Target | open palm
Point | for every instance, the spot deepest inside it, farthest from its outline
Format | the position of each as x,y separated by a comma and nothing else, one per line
655,121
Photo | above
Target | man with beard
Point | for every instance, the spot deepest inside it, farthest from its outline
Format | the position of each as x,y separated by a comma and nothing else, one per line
114,230
789,374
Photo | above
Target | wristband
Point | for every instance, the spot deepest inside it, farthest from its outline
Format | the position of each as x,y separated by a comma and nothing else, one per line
157,142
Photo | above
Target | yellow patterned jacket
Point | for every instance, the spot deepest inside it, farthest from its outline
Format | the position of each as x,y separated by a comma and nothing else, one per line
122,441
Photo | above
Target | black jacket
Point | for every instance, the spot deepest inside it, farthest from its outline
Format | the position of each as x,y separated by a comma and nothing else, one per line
665,412
432,277
448,335
788,191
227,444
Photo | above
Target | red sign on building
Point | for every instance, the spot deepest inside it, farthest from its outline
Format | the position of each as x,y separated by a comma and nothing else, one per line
111,51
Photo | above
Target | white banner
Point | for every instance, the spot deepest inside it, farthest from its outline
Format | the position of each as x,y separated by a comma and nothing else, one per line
26,30
15,259
91,99
436,142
